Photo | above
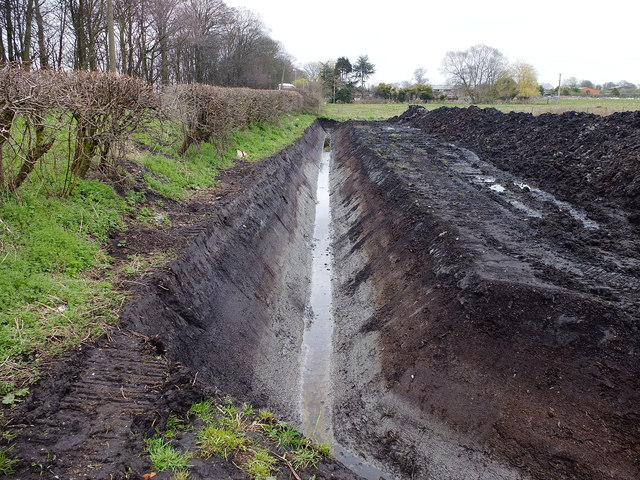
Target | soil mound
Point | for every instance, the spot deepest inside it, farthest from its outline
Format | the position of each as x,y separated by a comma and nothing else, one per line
488,323
584,158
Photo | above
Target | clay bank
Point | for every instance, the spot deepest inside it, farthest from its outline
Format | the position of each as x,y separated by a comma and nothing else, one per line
477,332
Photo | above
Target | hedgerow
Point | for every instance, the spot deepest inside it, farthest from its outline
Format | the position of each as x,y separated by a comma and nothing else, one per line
62,125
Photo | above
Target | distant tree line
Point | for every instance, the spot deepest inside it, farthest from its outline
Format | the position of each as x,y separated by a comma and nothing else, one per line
340,79
482,74
159,41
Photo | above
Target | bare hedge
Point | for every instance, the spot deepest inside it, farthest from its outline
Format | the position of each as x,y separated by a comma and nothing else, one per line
93,113
209,113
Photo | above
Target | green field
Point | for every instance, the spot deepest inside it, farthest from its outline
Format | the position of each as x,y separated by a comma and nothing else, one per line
382,111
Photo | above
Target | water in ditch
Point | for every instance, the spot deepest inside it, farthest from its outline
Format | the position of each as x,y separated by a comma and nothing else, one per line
316,382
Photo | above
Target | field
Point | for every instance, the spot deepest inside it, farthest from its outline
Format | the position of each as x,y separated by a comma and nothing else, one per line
382,111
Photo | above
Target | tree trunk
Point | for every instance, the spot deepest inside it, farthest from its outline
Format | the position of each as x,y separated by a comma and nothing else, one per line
9,25
26,51
3,53
33,155
6,119
111,37
44,57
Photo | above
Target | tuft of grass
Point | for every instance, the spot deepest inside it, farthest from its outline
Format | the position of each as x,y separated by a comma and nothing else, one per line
219,442
164,457
305,457
284,435
261,465
7,464
203,410
181,475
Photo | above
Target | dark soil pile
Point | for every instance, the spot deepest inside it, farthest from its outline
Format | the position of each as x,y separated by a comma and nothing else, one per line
585,158
505,319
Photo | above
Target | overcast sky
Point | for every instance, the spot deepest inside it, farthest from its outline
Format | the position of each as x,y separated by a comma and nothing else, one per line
587,40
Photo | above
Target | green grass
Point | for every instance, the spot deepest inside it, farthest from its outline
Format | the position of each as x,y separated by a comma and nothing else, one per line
261,464
254,441
219,441
198,167
51,293
601,106
165,457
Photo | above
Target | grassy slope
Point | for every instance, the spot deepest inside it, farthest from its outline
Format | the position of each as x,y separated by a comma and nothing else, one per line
602,106
56,282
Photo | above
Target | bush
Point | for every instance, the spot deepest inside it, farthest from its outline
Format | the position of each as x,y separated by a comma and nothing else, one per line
209,113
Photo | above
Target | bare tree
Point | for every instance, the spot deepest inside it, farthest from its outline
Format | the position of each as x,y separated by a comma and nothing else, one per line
475,71
420,76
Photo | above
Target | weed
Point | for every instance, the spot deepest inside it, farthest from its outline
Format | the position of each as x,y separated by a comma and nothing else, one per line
164,457
181,475
203,410
284,435
7,464
134,197
266,416
304,457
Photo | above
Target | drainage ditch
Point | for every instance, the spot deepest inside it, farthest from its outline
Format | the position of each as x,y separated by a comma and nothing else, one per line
469,339
316,398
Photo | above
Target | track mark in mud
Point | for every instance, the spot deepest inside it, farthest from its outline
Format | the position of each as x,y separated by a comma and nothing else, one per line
79,429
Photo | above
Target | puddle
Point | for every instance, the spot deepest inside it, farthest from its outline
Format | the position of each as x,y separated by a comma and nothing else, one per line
315,400
575,214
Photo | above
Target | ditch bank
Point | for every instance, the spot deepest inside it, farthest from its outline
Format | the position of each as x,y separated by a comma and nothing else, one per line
226,317
483,327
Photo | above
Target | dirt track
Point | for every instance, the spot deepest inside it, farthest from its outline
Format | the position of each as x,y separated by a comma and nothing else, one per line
479,333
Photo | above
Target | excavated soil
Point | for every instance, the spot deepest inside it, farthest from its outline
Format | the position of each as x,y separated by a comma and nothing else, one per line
486,293
502,341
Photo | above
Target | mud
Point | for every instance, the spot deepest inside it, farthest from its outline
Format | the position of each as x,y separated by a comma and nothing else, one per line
485,300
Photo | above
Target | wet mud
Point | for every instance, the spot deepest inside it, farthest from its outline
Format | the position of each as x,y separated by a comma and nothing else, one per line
485,279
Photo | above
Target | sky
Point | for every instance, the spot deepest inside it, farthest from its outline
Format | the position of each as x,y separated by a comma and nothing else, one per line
587,40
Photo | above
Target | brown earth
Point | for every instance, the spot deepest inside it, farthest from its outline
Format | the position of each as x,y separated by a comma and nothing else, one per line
479,333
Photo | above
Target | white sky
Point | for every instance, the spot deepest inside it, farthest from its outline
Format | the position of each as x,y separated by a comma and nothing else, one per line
595,41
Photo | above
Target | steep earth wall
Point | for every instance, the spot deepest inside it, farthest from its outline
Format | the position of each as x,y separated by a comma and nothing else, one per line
233,306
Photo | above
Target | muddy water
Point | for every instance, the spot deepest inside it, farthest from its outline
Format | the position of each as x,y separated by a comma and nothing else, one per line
317,345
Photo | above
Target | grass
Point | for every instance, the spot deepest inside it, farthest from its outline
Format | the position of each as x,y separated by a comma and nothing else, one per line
54,289
164,457
254,441
601,106
197,169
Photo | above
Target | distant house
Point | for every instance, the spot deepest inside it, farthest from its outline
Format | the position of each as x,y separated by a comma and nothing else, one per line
590,91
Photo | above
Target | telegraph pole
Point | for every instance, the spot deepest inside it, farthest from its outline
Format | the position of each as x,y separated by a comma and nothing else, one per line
559,81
